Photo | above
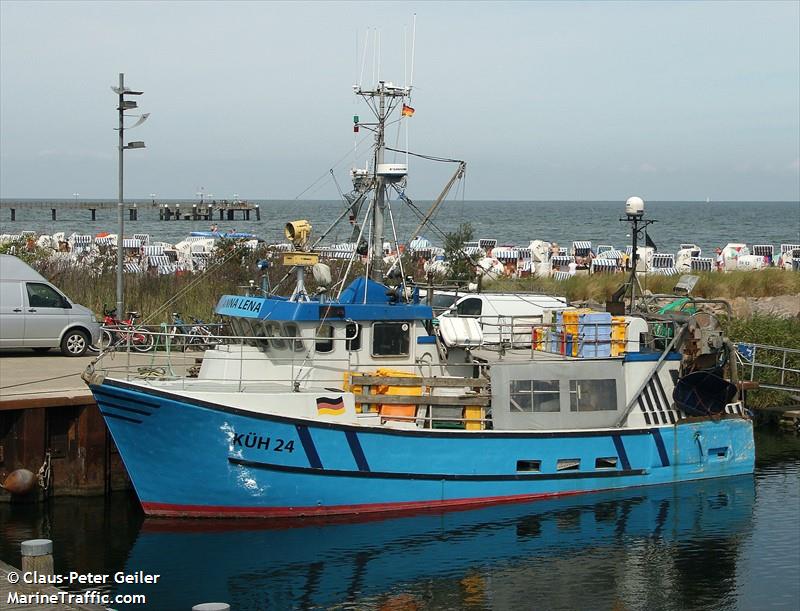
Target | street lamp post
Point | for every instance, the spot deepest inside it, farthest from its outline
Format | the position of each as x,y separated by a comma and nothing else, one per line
123,105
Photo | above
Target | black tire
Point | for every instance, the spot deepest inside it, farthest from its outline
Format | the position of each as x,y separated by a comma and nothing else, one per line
75,342
41,349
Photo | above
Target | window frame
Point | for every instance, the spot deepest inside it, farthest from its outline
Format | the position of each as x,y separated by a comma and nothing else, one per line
291,330
470,300
574,394
324,340
531,393
64,303
399,323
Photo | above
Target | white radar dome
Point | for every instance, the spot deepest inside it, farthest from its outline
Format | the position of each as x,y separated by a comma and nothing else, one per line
634,206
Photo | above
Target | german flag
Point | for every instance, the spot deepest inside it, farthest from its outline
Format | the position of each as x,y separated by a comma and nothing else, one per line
330,407
407,111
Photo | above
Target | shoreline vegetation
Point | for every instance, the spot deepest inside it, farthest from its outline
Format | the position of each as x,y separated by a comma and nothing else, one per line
233,269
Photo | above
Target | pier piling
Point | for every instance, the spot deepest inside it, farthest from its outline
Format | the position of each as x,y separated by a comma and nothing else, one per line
258,212
53,213
94,213
37,555
13,215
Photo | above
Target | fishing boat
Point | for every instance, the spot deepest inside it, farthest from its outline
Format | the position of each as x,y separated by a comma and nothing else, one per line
347,399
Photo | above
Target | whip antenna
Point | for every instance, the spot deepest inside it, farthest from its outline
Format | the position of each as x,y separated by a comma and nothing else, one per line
413,45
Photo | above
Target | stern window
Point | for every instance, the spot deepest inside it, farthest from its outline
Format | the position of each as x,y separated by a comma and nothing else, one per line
390,338
535,396
592,395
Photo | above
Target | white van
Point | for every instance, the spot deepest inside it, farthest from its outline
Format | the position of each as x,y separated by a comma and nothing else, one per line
507,317
35,314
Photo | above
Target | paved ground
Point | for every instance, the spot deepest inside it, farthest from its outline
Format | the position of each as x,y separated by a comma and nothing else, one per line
25,374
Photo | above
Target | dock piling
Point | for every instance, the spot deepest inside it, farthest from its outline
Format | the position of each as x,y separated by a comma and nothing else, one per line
258,212
37,555
53,213
13,215
94,213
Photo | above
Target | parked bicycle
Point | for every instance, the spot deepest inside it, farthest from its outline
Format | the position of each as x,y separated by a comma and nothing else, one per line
121,333
185,336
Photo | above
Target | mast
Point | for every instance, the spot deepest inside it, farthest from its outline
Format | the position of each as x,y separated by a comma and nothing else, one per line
376,264
382,100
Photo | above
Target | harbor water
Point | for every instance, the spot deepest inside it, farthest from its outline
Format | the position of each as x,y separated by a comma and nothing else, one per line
727,544
708,225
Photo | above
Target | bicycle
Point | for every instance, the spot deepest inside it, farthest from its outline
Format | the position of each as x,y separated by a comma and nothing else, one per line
184,336
121,333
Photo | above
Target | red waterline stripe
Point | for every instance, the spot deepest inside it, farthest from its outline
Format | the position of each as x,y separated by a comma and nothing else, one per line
220,511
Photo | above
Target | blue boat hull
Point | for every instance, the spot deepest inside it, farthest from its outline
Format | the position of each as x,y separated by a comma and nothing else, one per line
188,457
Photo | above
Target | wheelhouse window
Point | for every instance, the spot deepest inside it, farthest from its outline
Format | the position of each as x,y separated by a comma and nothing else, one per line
291,330
274,332
236,326
43,296
250,328
261,332
535,396
592,395
324,340
390,338
353,334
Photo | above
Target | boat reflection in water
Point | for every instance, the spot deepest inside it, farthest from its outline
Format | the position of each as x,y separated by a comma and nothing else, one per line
673,546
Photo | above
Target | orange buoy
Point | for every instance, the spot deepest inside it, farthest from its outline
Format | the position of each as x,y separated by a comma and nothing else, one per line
102,234
19,482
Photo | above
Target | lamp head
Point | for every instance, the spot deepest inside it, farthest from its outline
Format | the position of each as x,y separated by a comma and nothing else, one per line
297,232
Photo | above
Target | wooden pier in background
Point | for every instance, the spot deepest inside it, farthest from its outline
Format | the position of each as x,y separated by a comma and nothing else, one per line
223,210
209,211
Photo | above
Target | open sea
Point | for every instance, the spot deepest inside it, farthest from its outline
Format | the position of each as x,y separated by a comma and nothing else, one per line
517,222
722,544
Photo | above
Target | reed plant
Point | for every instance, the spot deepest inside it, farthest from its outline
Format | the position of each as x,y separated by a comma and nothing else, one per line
599,287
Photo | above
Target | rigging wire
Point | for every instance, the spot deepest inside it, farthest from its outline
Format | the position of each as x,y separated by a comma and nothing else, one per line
428,157
338,162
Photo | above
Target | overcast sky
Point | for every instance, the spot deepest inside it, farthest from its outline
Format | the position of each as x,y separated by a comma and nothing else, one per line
595,100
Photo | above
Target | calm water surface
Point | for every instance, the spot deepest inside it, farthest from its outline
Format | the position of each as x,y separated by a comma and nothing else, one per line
725,544
706,224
